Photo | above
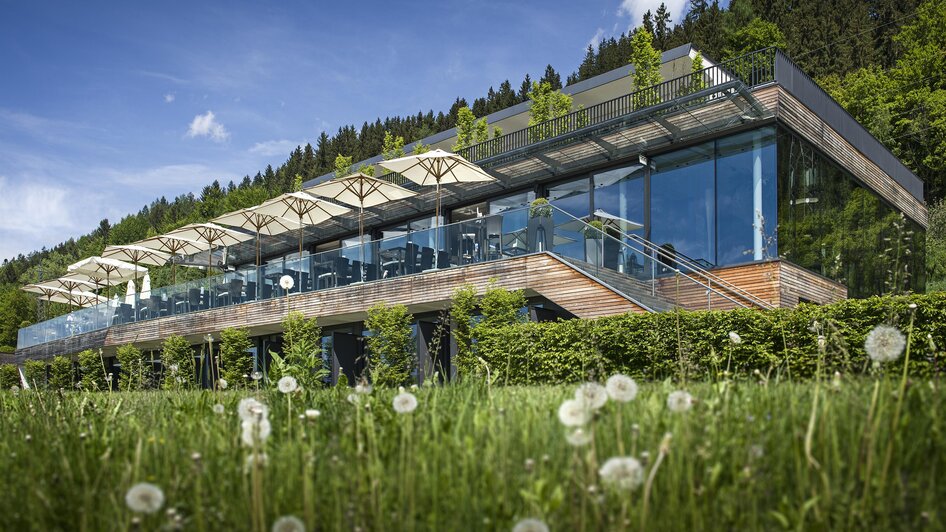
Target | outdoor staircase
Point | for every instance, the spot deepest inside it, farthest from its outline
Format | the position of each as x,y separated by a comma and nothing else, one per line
635,290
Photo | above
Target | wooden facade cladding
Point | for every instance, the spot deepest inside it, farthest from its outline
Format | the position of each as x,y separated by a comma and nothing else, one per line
539,275
809,126
777,282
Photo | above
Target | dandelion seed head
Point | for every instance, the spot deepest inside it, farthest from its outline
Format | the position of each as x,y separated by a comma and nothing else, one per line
219,409
256,375
679,401
249,408
884,344
404,403
578,437
621,388
255,431
144,498
222,384
312,413
574,413
363,389
287,384
530,524
735,338
623,473
353,398
254,459
288,523
593,395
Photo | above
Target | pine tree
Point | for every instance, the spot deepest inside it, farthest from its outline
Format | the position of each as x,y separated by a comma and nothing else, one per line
661,27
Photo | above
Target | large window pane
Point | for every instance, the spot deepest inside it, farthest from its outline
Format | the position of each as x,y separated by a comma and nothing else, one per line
573,197
683,203
746,197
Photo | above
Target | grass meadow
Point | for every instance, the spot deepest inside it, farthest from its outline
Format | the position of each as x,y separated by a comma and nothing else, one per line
833,454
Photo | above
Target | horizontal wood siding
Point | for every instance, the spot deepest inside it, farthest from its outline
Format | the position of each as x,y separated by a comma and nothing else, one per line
807,124
760,280
798,283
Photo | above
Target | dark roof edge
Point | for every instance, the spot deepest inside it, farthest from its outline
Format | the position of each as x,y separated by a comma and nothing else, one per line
808,92
582,86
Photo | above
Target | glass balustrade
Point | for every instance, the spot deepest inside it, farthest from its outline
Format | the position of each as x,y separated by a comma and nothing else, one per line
500,236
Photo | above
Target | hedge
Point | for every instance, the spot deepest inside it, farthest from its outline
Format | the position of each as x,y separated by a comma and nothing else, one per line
697,344
9,376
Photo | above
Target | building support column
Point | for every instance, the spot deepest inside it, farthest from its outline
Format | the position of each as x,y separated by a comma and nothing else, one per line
757,220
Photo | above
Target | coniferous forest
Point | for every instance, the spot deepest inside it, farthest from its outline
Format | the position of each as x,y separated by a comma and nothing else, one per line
883,60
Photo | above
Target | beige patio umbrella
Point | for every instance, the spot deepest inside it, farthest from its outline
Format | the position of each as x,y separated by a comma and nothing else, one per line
73,284
212,235
114,270
262,224
175,245
47,291
136,255
437,167
304,207
360,190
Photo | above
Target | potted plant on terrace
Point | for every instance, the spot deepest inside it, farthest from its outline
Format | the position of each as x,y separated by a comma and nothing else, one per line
593,233
540,224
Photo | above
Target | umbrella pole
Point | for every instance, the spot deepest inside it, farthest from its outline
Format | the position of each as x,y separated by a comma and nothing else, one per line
361,234
257,247
437,228
300,236
210,258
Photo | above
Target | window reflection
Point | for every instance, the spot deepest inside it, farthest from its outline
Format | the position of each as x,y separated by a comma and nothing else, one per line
683,205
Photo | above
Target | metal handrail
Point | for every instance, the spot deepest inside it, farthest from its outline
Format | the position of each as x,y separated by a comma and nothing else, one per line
752,69
626,245
699,270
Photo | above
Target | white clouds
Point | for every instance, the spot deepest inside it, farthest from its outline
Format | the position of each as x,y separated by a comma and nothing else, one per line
270,148
35,214
206,125
169,97
596,38
635,9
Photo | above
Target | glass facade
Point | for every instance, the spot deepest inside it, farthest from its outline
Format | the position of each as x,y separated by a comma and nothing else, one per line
832,225
708,202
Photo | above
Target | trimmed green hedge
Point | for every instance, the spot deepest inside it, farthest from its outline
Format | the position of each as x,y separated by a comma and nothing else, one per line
9,377
697,344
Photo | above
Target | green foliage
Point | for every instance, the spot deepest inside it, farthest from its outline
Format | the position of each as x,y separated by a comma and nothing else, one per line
135,373
905,106
470,131
742,459
420,148
9,377
756,35
646,62
236,360
540,208
696,344
391,353
92,374
61,373
462,307
35,373
297,184
547,104
499,307
392,146
367,169
342,165
594,230
936,248
302,352
177,357
16,307
697,81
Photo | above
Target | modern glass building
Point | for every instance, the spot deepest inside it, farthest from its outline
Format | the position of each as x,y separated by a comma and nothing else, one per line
740,185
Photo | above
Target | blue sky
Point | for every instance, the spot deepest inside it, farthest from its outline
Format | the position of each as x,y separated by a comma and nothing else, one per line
106,106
